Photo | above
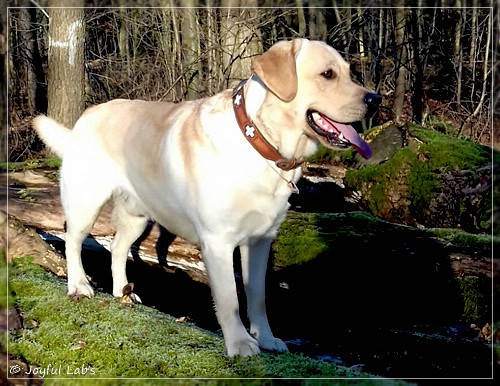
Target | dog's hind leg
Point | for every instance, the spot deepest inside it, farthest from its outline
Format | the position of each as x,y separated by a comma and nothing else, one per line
129,227
254,257
82,204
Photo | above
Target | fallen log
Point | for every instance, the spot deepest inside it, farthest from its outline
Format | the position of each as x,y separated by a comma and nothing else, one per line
22,240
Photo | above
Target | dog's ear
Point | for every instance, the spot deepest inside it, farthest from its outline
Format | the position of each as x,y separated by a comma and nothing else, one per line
276,68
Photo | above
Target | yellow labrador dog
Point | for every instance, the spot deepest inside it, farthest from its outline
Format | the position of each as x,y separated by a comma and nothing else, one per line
216,171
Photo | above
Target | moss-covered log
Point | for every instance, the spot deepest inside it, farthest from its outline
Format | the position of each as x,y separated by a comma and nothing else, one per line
365,267
25,241
437,181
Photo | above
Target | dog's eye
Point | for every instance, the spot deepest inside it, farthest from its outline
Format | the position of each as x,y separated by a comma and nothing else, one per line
328,74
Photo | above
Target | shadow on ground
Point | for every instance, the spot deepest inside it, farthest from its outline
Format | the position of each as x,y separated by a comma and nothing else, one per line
390,305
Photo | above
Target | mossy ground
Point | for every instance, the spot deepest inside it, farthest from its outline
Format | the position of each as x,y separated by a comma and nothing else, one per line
114,340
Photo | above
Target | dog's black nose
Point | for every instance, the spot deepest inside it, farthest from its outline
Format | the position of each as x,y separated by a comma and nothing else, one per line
372,100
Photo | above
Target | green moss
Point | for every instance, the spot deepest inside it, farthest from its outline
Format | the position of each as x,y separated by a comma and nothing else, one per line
112,340
416,169
475,304
326,155
496,193
439,125
448,152
5,301
422,183
304,236
299,240
52,162
379,179
480,243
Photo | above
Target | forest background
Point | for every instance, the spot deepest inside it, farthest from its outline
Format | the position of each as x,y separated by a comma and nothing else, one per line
434,62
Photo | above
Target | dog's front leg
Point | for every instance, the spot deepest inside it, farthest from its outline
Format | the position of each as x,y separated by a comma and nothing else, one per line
254,257
218,258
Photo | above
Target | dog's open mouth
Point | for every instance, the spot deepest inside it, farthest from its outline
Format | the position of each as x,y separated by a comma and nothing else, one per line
338,135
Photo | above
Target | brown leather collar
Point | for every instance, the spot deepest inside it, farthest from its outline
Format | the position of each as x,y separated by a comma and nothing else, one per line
255,137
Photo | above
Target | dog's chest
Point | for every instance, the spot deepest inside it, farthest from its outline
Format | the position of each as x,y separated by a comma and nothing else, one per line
255,224
259,214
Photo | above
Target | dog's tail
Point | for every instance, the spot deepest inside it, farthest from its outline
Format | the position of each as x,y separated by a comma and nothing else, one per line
53,134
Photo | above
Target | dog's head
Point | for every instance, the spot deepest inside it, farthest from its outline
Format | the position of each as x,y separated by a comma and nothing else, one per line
315,82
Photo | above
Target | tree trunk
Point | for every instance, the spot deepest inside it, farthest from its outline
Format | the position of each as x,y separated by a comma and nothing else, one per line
191,49
3,86
317,24
123,41
348,27
361,39
341,22
66,67
457,53
25,70
484,92
301,18
473,53
211,31
239,37
418,76
399,93
177,62
473,29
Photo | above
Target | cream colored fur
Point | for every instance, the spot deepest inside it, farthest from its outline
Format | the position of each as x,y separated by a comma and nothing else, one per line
188,167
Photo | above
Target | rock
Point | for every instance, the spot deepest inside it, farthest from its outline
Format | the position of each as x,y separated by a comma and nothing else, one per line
385,141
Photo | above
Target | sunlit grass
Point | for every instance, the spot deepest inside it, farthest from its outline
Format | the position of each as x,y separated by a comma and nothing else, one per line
110,339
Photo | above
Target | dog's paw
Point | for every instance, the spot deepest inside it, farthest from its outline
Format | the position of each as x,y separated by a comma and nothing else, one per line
273,344
243,348
80,289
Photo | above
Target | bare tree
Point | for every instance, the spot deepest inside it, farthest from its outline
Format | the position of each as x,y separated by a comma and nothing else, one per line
191,48
400,91
66,71
239,35
484,91
3,88
457,54
317,23
417,97
123,38
301,16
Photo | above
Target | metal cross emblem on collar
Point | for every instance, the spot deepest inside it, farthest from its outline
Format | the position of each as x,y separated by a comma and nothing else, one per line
250,131
237,99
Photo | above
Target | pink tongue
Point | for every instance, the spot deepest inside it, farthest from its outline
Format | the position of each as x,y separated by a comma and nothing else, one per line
353,137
